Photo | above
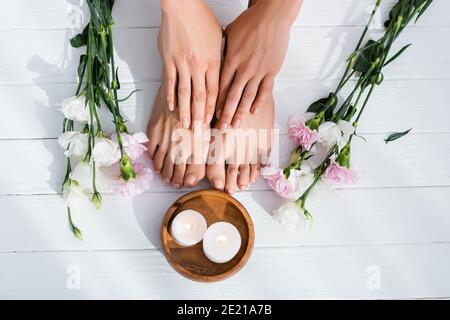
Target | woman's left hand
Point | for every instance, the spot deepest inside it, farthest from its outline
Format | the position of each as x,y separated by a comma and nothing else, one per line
256,44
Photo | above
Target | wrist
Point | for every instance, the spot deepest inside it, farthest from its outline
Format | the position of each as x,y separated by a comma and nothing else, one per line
167,5
282,10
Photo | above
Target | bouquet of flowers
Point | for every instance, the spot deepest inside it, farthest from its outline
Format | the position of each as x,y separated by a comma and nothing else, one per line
97,160
324,135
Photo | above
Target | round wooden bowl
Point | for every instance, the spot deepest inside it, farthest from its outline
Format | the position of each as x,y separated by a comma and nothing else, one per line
215,206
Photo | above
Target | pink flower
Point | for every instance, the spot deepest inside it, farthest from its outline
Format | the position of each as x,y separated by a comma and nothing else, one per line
134,144
338,174
300,133
278,182
133,187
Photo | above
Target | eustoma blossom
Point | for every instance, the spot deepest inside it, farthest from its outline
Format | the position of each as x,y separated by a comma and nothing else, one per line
96,160
323,143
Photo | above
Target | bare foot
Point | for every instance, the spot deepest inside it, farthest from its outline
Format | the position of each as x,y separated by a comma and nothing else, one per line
178,154
234,162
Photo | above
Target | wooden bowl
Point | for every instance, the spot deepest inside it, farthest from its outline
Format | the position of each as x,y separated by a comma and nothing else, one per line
215,206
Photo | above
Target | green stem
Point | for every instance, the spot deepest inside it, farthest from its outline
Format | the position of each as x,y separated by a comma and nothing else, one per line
361,39
116,112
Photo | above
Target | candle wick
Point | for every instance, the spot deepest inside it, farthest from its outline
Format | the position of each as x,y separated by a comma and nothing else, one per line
221,240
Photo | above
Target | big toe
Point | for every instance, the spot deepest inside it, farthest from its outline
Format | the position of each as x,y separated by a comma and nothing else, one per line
194,174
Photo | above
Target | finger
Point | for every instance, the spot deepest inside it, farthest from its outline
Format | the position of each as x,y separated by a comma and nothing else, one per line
212,87
248,96
198,97
264,92
226,79
232,101
184,95
170,77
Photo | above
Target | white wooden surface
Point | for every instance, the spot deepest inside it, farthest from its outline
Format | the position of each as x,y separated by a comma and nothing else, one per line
396,219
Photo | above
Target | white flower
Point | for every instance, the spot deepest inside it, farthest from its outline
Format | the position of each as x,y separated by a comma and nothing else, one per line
73,194
331,133
301,180
105,152
75,143
75,108
82,173
292,217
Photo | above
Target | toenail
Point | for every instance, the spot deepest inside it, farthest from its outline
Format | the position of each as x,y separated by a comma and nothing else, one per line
190,179
218,184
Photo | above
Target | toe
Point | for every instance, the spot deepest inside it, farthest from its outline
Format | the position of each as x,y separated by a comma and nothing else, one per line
178,176
151,149
216,175
232,176
158,161
167,170
244,176
194,173
254,173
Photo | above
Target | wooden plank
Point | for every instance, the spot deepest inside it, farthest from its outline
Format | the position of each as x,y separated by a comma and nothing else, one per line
37,106
44,56
54,14
38,166
349,217
404,271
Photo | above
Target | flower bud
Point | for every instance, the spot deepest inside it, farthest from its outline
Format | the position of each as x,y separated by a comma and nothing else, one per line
121,126
315,122
97,200
126,168
295,155
77,233
343,158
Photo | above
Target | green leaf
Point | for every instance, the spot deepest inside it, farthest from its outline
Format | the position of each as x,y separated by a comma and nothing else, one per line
367,56
128,97
424,8
80,39
395,56
82,66
322,104
396,135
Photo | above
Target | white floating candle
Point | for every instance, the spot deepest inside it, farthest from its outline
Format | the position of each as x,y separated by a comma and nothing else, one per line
188,227
221,242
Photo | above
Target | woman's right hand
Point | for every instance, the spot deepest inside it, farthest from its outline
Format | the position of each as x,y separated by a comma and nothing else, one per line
189,42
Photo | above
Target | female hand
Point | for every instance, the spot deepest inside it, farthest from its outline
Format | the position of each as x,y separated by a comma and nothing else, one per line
189,42
256,44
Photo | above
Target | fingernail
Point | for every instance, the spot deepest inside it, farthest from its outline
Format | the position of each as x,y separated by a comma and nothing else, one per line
177,186
219,114
224,126
171,107
190,180
208,118
218,184
237,123
186,123
256,110
166,180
